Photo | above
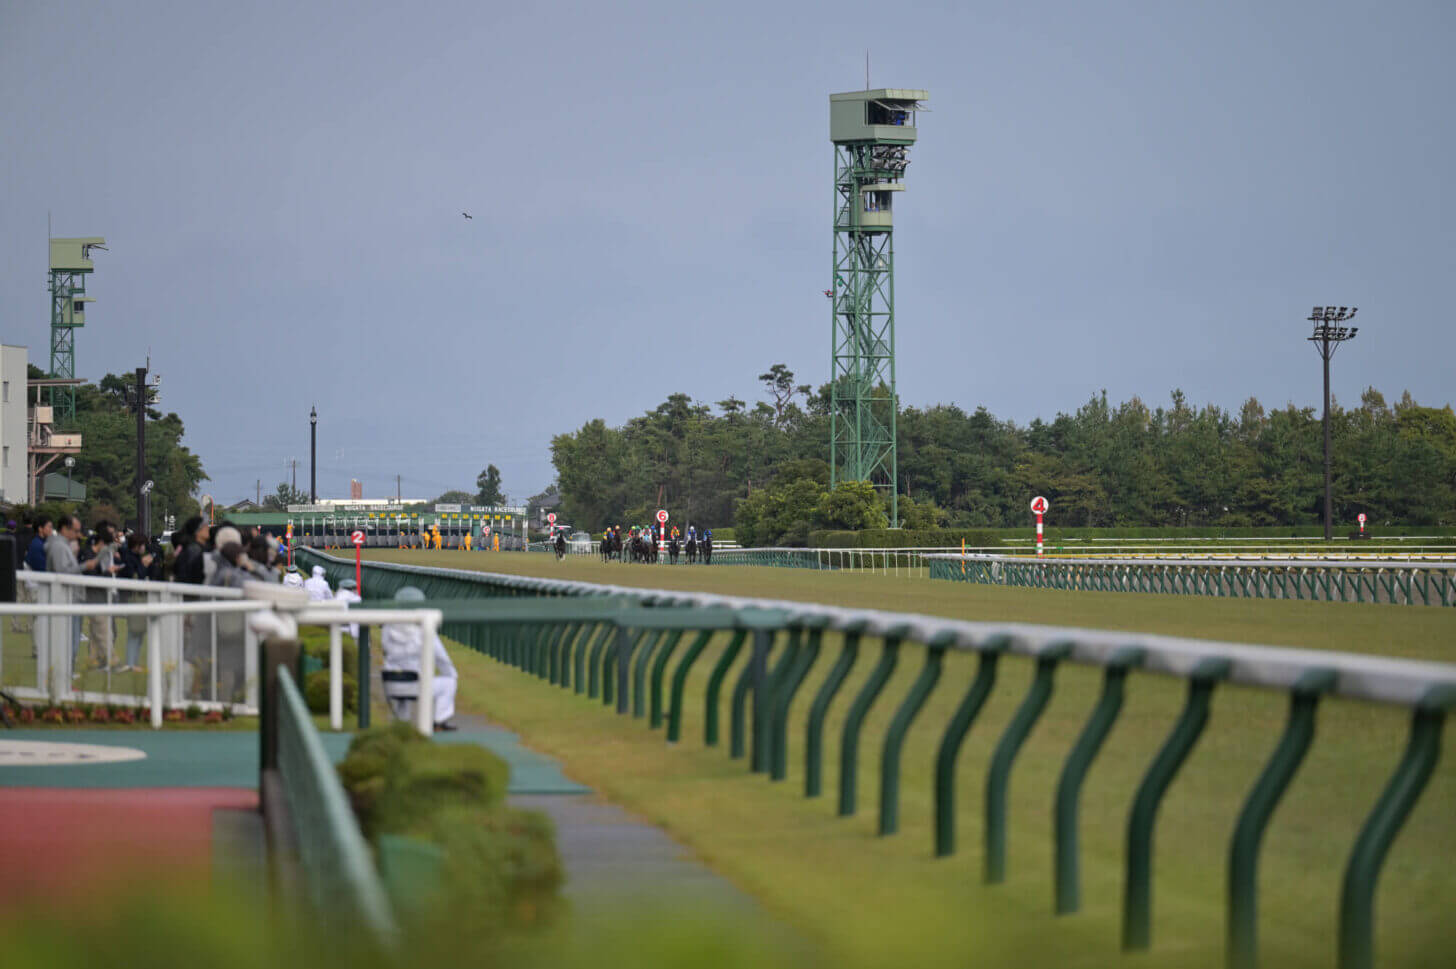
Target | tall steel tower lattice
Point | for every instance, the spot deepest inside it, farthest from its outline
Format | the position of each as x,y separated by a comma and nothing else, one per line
70,265
872,133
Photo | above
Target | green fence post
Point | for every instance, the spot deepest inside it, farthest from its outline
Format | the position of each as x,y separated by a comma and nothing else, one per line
625,647
659,665
767,737
679,684
954,736
998,778
737,706
1243,884
763,681
715,686
615,644
784,699
900,725
1357,895
849,740
639,672
814,731
583,644
1074,772
594,661
553,644
364,677
1137,908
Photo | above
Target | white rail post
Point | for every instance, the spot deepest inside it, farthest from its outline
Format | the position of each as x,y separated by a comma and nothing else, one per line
425,703
154,669
250,665
336,677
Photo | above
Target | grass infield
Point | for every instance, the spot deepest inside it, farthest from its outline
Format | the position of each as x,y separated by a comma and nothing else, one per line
876,901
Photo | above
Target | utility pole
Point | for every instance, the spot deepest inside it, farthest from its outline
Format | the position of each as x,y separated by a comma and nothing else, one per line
313,455
398,493
293,466
259,501
1327,338
141,451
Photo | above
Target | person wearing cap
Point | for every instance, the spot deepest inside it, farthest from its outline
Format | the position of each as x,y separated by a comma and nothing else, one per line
349,592
317,586
293,578
403,643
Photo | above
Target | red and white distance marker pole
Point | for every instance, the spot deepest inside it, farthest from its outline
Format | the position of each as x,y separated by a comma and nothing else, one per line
358,539
661,531
1038,508
288,540
551,521
1361,519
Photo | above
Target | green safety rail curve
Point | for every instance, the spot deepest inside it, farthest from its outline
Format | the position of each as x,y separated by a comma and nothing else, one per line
614,644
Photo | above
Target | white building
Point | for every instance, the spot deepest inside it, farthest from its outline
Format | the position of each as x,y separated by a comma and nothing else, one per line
13,427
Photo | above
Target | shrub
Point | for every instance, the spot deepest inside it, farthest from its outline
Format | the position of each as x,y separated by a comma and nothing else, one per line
316,692
500,871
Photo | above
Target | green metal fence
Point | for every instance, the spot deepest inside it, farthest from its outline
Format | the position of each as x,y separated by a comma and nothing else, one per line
1404,583
616,645
338,869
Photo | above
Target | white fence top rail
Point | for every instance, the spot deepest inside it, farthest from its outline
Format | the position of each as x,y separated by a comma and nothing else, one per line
127,585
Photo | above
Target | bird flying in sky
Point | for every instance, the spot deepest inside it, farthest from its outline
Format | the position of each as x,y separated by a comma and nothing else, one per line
466,214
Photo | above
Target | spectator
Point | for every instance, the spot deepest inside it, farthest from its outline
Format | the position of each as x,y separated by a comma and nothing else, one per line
61,557
193,535
103,551
232,571
35,555
136,563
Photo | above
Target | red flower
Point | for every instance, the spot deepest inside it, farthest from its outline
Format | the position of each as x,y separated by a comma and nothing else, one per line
172,716
212,716
100,715
75,715
26,715
125,716
53,715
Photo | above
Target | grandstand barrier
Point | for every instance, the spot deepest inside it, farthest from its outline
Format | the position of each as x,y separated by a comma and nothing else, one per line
613,645
1320,580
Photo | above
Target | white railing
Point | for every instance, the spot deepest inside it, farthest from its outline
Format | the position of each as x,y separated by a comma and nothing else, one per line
204,653
265,609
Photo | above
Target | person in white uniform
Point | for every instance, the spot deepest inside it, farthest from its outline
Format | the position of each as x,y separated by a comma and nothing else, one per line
348,592
293,579
402,643
317,586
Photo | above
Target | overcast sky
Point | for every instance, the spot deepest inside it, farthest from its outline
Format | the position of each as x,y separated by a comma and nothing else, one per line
1130,196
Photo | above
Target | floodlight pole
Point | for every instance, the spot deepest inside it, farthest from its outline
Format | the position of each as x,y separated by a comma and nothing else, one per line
1326,338
313,453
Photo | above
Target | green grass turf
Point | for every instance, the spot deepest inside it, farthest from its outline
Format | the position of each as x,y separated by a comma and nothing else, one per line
887,901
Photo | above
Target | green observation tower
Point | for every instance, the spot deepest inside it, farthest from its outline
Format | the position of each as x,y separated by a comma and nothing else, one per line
872,133
70,265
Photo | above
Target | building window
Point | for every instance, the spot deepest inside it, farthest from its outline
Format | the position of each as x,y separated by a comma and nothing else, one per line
78,307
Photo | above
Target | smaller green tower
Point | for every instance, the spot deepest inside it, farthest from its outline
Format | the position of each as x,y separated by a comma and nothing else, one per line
872,132
70,265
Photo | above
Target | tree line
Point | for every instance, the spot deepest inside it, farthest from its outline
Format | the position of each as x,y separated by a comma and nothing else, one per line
1103,465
